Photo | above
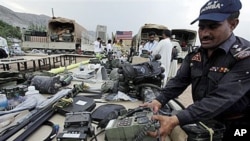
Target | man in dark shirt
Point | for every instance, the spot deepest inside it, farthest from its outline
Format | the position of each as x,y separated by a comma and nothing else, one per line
219,72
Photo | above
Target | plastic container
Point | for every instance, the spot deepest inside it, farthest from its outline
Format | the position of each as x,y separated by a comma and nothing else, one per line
3,102
32,90
81,67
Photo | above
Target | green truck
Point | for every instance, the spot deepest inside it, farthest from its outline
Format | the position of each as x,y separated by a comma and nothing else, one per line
62,34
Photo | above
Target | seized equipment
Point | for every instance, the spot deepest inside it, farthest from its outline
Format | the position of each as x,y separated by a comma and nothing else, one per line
46,84
132,126
66,80
41,114
13,77
133,77
76,127
204,131
104,113
79,103
15,95
111,62
94,61
14,91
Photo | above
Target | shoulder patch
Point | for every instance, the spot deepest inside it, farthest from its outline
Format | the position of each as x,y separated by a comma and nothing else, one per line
241,53
197,57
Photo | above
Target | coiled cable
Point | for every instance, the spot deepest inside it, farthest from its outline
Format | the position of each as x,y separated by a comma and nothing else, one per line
53,133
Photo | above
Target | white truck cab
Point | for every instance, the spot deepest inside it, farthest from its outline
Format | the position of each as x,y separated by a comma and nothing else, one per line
186,39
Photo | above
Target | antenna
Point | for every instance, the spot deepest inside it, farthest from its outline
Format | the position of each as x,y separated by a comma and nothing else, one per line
53,17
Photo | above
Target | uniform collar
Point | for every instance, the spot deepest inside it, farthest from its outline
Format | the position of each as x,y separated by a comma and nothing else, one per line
228,43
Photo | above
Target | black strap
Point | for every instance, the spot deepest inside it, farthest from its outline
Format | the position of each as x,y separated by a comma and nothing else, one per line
35,124
54,131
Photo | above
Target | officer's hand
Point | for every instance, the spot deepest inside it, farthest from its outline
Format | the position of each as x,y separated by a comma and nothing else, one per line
167,124
155,105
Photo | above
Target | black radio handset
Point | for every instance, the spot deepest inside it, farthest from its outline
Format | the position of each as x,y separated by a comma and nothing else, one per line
132,111
152,125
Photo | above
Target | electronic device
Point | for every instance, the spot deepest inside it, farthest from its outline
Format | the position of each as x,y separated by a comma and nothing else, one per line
14,91
77,127
132,77
80,104
133,126
66,80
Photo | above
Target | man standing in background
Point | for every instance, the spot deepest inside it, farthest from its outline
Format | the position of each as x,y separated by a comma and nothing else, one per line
98,46
109,46
164,48
152,43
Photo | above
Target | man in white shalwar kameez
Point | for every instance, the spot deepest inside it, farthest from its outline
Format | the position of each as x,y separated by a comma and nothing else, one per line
164,48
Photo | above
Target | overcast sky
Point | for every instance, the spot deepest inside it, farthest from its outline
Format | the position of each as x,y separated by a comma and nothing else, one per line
126,15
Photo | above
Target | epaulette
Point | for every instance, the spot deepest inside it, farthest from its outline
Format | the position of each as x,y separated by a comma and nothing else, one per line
240,52
194,51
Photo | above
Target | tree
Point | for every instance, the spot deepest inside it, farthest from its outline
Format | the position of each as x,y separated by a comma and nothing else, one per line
7,30
36,27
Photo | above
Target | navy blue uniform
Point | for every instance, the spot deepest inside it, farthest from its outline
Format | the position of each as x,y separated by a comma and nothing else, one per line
220,84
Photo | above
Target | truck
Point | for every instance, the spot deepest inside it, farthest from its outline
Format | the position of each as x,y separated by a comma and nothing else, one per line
186,38
142,34
62,34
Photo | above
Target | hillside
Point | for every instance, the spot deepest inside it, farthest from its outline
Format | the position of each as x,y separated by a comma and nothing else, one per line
22,20
25,20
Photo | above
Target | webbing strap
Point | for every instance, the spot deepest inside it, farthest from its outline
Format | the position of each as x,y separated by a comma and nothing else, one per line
210,130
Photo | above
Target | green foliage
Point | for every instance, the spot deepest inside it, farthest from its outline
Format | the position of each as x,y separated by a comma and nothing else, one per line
33,27
7,30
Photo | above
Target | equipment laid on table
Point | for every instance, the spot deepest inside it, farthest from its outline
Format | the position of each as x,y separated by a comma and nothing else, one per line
94,61
133,77
80,103
77,126
14,90
66,80
104,113
111,62
13,77
46,84
41,113
205,131
135,123
133,126
15,95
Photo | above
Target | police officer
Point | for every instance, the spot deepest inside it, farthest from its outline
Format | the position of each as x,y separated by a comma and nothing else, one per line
219,72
